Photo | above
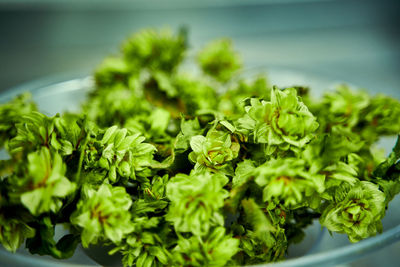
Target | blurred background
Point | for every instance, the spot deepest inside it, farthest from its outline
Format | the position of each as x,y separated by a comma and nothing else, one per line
347,40
351,40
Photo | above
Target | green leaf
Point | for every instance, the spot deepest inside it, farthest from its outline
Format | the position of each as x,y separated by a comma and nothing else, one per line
43,242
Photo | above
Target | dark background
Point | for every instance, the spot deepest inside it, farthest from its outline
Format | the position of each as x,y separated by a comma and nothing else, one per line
348,40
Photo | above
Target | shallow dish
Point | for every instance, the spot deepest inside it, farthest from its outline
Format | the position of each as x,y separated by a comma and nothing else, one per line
317,249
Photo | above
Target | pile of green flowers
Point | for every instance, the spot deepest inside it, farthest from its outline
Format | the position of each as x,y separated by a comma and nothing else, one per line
175,168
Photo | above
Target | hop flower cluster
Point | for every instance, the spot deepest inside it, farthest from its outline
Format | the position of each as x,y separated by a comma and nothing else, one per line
219,60
103,214
282,123
214,151
212,168
196,202
119,154
357,211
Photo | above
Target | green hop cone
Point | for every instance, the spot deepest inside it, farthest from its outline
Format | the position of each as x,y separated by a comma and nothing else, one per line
121,102
34,130
119,154
68,135
288,180
13,233
356,211
44,186
341,173
284,122
342,107
196,201
103,214
146,245
214,151
231,102
216,249
219,60
160,50
196,94
381,117
11,113
112,71
329,149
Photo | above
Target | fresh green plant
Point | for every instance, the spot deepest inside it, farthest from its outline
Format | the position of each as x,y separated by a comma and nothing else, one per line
210,169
